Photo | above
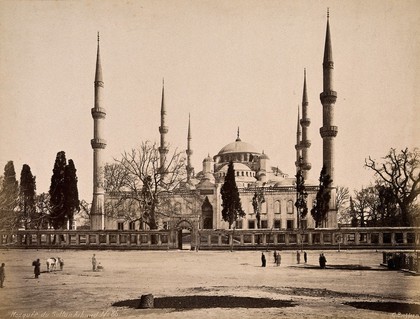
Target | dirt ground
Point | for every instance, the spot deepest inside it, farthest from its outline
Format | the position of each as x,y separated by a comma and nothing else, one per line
210,280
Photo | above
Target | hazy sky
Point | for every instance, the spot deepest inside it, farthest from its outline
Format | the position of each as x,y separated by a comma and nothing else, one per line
228,63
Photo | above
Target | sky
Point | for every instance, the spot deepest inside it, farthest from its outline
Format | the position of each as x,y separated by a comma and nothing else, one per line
228,64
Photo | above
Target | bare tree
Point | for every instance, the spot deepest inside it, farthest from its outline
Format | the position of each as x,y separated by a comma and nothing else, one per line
43,211
342,200
139,187
401,173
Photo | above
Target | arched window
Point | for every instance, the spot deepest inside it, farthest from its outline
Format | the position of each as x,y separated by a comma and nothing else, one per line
277,207
290,207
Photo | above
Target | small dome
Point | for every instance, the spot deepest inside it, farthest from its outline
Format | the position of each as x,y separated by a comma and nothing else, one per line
264,156
208,159
238,147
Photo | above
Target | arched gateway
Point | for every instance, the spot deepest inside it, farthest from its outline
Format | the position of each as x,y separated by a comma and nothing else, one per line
185,232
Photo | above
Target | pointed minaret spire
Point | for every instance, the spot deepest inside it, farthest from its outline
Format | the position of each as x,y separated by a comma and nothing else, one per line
163,129
329,131
305,122
298,146
98,73
328,63
238,139
189,151
98,143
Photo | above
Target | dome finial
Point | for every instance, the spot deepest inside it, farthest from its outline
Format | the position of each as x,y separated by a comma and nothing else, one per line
328,13
238,139
98,37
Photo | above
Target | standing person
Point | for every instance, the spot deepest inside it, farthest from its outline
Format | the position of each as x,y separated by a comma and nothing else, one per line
61,262
275,257
2,275
94,262
305,257
263,260
298,256
37,268
322,261
278,259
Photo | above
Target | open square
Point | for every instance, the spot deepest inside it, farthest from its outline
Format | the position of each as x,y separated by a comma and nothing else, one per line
306,290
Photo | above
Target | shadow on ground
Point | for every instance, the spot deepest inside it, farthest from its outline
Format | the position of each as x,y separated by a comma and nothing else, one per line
196,302
392,307
342,267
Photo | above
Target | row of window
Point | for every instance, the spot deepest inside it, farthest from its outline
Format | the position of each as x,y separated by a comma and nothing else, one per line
252,224
238,173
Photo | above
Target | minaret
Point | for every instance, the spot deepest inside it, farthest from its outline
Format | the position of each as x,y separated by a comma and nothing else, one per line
163,129
305,122
329,131
98,145
189,151
298,145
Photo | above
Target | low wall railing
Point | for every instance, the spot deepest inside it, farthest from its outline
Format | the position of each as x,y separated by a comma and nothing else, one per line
324,238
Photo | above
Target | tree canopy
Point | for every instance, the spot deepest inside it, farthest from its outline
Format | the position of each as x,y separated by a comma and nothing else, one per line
301,196
231,202
9,194
399,173
139,187
27,196
321,205
64,198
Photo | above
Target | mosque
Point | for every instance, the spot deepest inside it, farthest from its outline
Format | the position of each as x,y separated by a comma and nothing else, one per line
199,205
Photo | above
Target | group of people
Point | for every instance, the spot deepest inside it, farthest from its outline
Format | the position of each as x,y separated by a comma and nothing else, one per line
37,268
277,259
305,257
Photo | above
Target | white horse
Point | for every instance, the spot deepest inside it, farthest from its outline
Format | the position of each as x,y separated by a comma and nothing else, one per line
52,263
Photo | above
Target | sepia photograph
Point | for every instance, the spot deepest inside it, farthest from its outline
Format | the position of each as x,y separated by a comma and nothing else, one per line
210,159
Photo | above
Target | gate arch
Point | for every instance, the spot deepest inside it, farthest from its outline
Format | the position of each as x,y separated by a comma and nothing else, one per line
185,232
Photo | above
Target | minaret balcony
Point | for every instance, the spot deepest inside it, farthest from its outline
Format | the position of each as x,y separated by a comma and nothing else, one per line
98,143
328,97
163,129
305,144
306,166
163,150
328,65
328,131
298,147
305,122
189,152
98,113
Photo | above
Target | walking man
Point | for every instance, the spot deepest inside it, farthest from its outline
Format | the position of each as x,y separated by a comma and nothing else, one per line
93,262
37,268
305,257
298,257
263,260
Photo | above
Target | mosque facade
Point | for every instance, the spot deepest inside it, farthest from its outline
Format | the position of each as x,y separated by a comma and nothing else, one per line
199,205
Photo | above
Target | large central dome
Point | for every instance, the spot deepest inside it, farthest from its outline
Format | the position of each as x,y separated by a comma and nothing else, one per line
238,147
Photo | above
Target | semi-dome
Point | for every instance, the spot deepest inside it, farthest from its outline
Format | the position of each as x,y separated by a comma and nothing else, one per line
237,167
238,147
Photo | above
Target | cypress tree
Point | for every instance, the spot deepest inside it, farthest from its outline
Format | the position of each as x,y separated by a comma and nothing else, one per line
58,212
27,196
320,209
231,202
9,198
71,194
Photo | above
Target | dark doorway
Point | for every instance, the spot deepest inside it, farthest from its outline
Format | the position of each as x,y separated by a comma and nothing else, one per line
207,214
185,235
